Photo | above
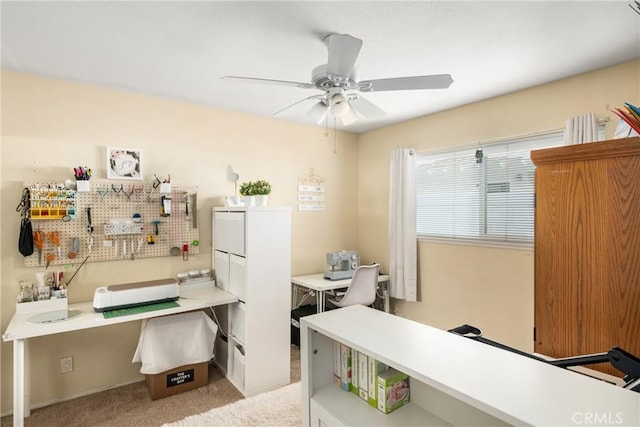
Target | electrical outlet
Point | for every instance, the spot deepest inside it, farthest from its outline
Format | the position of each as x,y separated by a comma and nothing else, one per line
66,364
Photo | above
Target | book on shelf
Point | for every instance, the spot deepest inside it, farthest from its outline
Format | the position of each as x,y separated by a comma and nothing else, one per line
337,359
345,367
372,387
354,371
363,377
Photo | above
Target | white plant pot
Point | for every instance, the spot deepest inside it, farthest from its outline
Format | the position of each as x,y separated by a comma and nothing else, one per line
234,201
261,200
249,200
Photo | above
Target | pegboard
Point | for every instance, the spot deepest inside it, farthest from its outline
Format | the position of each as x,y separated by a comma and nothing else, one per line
124,217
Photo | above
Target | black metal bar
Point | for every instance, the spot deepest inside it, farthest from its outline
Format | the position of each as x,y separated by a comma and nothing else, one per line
623,361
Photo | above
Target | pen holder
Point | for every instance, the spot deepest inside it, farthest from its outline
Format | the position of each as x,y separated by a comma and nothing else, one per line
165,188
83,186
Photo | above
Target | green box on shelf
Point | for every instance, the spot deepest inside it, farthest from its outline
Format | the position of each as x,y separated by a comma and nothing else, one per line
393,390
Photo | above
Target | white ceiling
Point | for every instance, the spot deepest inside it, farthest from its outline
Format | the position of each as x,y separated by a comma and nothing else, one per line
181,49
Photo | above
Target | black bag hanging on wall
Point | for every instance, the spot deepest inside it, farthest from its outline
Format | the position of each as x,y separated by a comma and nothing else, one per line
25,239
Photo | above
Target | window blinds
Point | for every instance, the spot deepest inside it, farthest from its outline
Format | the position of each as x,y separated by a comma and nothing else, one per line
483,193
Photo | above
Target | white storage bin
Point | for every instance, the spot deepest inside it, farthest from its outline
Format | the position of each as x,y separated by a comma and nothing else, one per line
228,229
221,261
54,304
237,315
237,276
238,367
221,353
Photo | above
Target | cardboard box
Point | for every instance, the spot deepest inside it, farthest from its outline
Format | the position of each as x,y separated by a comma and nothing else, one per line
178,380
393,390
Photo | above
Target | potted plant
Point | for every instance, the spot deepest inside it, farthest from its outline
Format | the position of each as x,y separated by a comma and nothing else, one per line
246,191
261,190
255,192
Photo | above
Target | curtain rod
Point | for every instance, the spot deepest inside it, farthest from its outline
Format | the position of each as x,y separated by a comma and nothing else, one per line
495,141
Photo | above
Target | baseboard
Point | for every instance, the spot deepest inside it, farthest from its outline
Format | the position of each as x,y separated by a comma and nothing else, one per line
75,396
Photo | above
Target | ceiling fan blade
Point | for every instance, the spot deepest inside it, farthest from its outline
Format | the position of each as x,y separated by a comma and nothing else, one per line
343,52
437,81
318,112
271,82
366,108
296,103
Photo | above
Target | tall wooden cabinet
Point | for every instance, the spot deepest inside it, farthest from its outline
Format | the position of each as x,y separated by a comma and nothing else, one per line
252,259
587,248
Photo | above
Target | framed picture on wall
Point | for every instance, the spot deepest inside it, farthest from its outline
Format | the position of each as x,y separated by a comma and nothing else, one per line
124,163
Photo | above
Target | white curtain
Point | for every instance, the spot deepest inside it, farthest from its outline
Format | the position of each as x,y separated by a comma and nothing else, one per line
403,251
581,129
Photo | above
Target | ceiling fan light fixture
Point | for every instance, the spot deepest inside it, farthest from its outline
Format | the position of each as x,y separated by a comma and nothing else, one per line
340,106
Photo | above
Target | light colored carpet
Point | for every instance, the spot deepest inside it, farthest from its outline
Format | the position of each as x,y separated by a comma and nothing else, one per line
280,407
131,406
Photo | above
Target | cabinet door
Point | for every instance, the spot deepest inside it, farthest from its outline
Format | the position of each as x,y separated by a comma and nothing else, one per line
320,417
228,232
586,249
221,266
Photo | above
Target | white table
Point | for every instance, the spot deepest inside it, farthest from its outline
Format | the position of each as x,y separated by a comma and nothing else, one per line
20,330
317,282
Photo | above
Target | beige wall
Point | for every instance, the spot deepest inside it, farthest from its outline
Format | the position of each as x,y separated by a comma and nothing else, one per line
48,126
486,287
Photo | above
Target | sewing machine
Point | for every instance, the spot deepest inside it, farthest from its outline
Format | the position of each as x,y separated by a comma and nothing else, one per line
342,264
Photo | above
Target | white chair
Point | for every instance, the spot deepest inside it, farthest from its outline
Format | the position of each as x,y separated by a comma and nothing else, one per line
362,289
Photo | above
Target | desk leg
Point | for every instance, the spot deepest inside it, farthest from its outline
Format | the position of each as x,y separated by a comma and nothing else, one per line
294,295
320,301
21,383
385,294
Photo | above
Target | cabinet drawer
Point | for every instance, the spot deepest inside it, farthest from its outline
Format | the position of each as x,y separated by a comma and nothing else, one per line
229,232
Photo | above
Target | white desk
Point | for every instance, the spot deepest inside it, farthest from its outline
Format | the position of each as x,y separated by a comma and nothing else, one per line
317,283
20,330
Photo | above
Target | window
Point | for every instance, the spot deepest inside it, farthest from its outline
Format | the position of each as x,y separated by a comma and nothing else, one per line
483,194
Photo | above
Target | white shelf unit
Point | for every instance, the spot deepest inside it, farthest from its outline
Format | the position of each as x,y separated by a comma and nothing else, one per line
252,260
454,380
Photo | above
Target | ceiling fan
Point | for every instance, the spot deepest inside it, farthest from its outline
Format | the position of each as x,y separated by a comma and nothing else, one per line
338,80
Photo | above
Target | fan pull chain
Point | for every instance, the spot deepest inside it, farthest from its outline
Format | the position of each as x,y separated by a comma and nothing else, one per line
335,137
326,124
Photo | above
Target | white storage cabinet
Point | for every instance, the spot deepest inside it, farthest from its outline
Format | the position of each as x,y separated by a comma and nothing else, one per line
453,380
252,260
